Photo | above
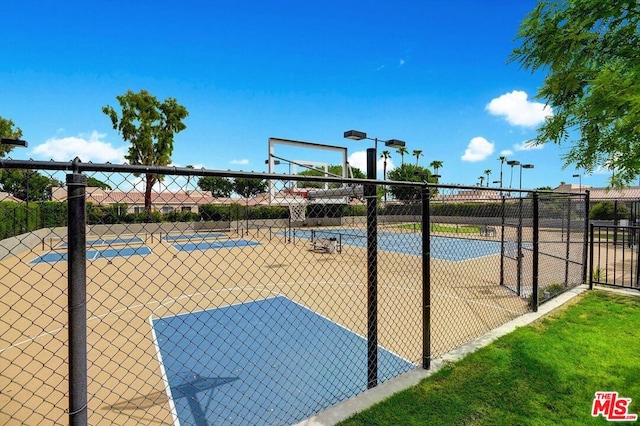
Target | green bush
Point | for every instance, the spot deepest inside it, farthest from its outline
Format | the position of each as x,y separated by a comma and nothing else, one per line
606,210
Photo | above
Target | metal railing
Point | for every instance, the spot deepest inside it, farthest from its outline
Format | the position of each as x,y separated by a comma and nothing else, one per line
614,256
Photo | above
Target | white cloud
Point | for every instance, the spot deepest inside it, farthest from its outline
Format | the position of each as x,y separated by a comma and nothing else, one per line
518,110
359,159
478,149
242,162
506,152
87,149
402,62
527,146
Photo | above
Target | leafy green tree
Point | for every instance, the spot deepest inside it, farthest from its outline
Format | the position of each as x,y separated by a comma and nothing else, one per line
150,126
409,173
249,187
10,131
590,51
96,183
334,170
607,210
27,185
218,186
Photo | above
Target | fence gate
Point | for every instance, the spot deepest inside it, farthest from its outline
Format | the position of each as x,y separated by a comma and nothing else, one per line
511,259
615,257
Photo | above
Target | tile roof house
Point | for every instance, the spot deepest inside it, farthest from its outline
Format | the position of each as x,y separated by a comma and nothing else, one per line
164,202
5,196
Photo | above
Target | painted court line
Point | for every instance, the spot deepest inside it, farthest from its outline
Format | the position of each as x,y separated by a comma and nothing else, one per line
188,237
108,253
215,245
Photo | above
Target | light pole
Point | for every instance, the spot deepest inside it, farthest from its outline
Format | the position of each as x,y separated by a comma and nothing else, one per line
580,182
524,166
24,144
372,252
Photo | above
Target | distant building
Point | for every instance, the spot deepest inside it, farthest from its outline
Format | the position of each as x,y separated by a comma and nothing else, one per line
164,202
5,196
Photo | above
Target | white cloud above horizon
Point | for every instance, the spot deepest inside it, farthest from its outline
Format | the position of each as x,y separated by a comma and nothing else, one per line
91,148
518,110
242,162
478,149
527,146
506,152
359,159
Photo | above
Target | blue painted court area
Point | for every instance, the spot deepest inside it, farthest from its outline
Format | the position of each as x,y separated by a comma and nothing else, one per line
197,236
207,245
110,241
270,361
444,248
109,253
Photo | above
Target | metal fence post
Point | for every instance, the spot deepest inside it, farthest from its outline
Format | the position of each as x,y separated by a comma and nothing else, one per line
426,277
568,248
502,221
372,272
536,252
77,281
519,252
591,259
585,244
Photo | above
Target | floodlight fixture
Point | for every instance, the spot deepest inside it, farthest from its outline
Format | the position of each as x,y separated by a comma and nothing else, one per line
13,142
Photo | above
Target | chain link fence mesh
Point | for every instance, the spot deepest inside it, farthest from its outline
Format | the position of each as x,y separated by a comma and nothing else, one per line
256,309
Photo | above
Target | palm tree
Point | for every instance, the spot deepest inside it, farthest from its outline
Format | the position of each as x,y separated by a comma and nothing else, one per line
436,165
417,153
385,155
481,178
402,151
487,172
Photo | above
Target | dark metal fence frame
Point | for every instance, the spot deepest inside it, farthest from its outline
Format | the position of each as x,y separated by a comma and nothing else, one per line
76,183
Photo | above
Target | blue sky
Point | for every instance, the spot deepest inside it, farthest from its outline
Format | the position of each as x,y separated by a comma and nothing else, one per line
432,73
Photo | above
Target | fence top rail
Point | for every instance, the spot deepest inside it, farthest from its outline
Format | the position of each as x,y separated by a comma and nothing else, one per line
77,166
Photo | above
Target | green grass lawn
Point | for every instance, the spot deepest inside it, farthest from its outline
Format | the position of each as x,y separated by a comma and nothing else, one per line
543,374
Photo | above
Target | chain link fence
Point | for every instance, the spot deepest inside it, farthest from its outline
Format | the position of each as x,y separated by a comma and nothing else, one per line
125,306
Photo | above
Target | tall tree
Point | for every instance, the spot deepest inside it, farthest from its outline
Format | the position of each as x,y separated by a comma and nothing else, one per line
334,170
27,185
218,186
97,183
402,151
10,131
436,165
249,187
409,173
417,153
590,51
150,126
488,173
385,155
